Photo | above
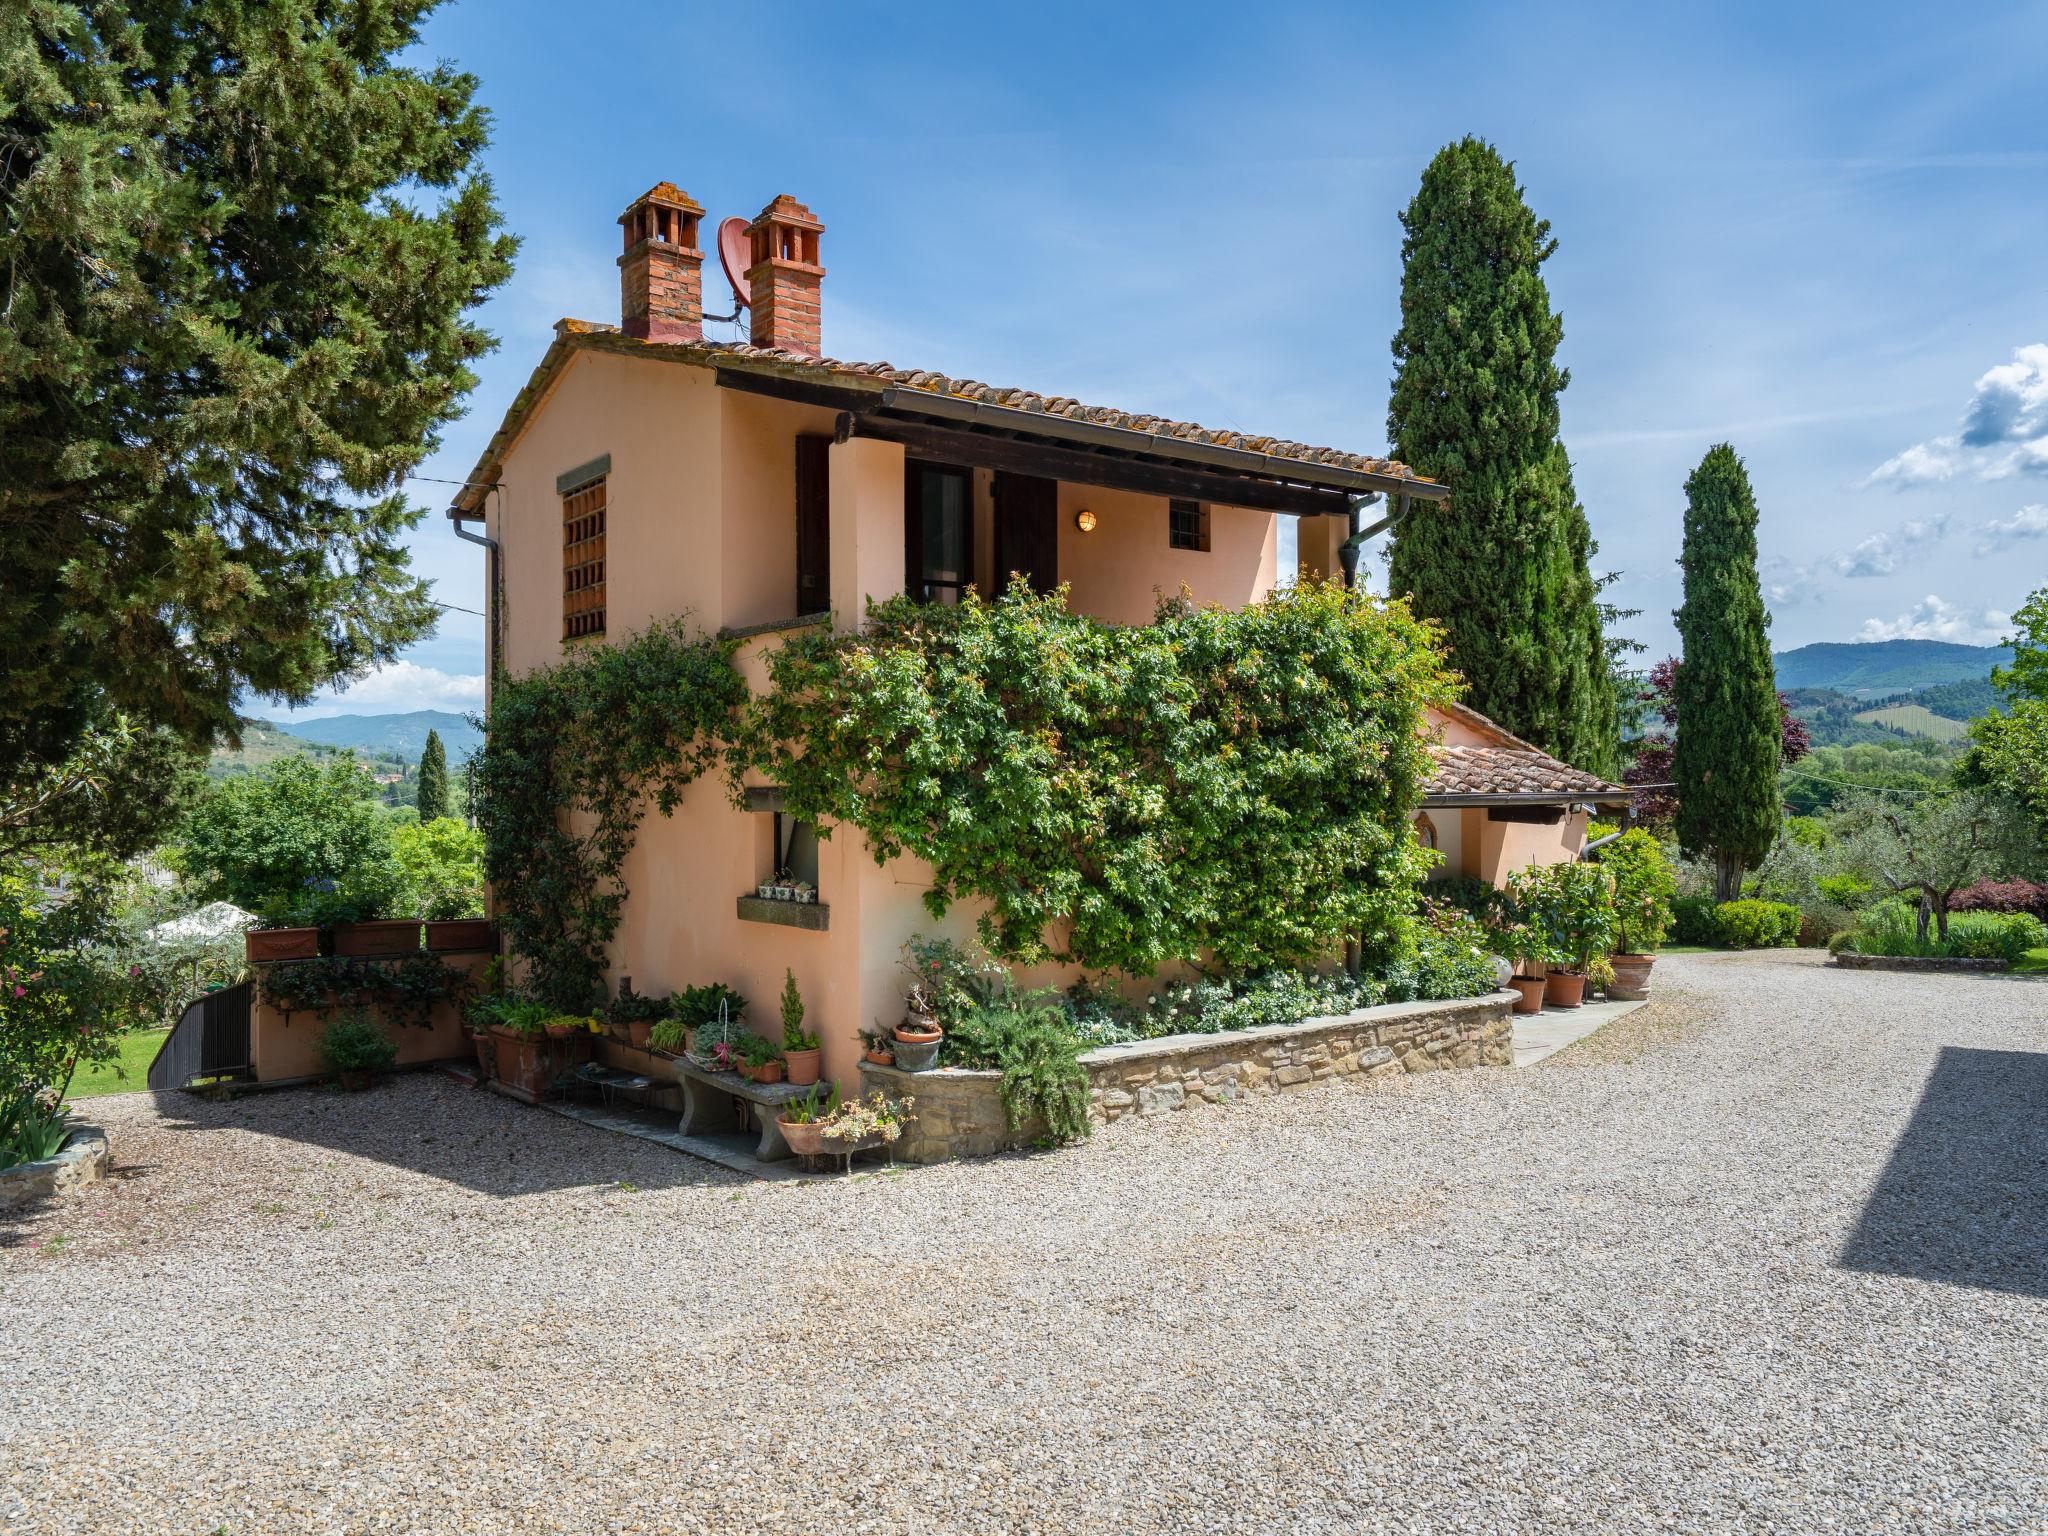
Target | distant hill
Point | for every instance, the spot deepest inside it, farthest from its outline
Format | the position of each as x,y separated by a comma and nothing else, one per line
391,735
1878,668
1917,720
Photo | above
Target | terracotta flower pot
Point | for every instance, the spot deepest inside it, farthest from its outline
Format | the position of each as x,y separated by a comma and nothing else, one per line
462,933
1530,993
1631,978
390,936
356,1079
559,1031
1564,989
768,1072
264,945
804,1140
879,1057
918,1031
639,1032
803,1066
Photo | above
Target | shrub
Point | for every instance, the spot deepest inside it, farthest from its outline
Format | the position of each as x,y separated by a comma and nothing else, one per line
305,840
1452,957
34,1125
441,867
1643,889
1892,928
1692,920
1750,924
1029,1043
354,1042
2029,896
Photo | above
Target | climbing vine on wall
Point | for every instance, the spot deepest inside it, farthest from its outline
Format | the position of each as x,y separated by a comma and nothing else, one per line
1231,784
573,756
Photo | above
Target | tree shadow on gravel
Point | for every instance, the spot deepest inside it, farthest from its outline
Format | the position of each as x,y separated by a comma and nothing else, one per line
444,1130
1964,1198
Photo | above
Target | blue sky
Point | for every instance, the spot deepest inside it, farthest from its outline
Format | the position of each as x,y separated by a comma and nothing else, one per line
1819,232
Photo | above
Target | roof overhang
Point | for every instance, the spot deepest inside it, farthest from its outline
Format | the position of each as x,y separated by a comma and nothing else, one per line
977,433
1560,801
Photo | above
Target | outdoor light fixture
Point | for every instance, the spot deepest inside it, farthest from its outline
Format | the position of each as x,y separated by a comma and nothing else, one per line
1085,520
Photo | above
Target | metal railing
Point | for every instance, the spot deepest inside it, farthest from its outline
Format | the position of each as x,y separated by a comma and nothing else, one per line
210,1039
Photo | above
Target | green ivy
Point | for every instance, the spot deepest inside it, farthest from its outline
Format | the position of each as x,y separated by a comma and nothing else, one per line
1231,784
572,757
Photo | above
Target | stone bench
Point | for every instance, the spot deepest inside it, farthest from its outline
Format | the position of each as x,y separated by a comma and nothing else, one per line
711,1104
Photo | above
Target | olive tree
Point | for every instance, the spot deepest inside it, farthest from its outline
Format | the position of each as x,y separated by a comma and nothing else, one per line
1932,846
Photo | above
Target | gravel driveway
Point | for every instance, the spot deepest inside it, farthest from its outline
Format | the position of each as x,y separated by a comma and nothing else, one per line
1718,1268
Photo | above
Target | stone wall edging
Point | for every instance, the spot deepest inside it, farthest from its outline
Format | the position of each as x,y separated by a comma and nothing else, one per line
82,1160
959,1113
1849,960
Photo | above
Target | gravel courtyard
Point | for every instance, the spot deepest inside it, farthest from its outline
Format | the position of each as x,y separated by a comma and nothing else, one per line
1719,1268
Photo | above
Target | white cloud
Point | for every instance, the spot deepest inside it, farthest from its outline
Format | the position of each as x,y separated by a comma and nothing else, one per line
398,689
1923,464
2030,522
2004,430
1879,554
1933,619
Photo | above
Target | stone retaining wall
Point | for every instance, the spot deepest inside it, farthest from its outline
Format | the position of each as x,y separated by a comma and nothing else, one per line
82,1160
960,1114
1849,960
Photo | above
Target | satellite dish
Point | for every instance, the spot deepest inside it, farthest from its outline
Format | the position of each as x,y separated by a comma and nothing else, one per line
736,254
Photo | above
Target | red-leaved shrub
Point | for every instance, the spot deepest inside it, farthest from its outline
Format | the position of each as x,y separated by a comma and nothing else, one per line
2003,896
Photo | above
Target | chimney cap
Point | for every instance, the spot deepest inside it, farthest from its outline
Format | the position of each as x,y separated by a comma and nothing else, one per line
663,194
787,210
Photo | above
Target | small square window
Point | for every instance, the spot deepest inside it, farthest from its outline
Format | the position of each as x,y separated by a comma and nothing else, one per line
1187,525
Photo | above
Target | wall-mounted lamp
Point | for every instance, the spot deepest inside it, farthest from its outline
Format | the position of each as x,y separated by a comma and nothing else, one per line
1085,520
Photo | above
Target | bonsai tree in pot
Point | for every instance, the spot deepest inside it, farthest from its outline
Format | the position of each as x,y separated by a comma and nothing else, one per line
1572,906
356,1048
801,1053
1643,888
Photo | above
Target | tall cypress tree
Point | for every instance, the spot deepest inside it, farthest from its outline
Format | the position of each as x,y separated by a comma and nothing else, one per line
433,796
1725,691
1505,567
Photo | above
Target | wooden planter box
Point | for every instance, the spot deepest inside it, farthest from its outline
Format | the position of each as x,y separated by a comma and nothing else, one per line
263,946
389,937
462,933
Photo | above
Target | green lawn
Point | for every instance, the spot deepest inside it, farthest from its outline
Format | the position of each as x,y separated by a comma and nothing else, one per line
2035,963
137,1050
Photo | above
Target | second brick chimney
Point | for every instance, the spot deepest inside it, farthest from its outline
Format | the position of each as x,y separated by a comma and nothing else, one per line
661,280
785,277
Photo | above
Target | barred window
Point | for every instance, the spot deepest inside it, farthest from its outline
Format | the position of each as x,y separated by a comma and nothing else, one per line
583,562
1187,525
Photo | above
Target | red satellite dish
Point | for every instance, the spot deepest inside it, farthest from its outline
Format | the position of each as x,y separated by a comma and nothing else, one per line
736,254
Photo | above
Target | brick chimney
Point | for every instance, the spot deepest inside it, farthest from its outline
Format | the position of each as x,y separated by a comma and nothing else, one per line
785,277
661,281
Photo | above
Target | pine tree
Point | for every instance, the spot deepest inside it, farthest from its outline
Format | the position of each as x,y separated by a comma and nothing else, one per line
241,245
1725,690
433,787
1505,567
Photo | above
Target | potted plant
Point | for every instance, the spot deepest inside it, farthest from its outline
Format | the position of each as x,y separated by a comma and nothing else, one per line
377,936
801,1054
858,1124
668,1037
804,892
758,1060
357,1049
564,1026
875,1046
266,944
290,928
765,890
1572,906
919,1035
1643,888
636,1013
1525,947
802,1122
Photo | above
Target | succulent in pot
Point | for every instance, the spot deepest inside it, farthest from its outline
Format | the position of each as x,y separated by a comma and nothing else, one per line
877,1046
636,1013
802,1122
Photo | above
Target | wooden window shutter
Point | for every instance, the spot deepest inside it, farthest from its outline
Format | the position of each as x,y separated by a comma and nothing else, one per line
583,547
813,523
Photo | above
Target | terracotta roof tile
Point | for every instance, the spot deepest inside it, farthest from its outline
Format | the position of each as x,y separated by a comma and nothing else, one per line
715,352
1468,770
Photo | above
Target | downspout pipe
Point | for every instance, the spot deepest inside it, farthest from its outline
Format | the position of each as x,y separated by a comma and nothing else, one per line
1352,550
457,516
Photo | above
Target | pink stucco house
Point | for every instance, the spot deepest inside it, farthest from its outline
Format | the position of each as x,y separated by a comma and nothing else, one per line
644,472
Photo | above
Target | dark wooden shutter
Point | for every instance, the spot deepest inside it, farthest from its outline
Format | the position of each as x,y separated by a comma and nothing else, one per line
813,523
1027,530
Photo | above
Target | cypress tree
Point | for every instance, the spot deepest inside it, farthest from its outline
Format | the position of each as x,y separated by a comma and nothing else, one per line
1725,691
1504,569
433,796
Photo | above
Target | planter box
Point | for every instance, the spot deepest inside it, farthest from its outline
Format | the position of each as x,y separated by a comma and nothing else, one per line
389,937
527,1068
462,933
265,946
